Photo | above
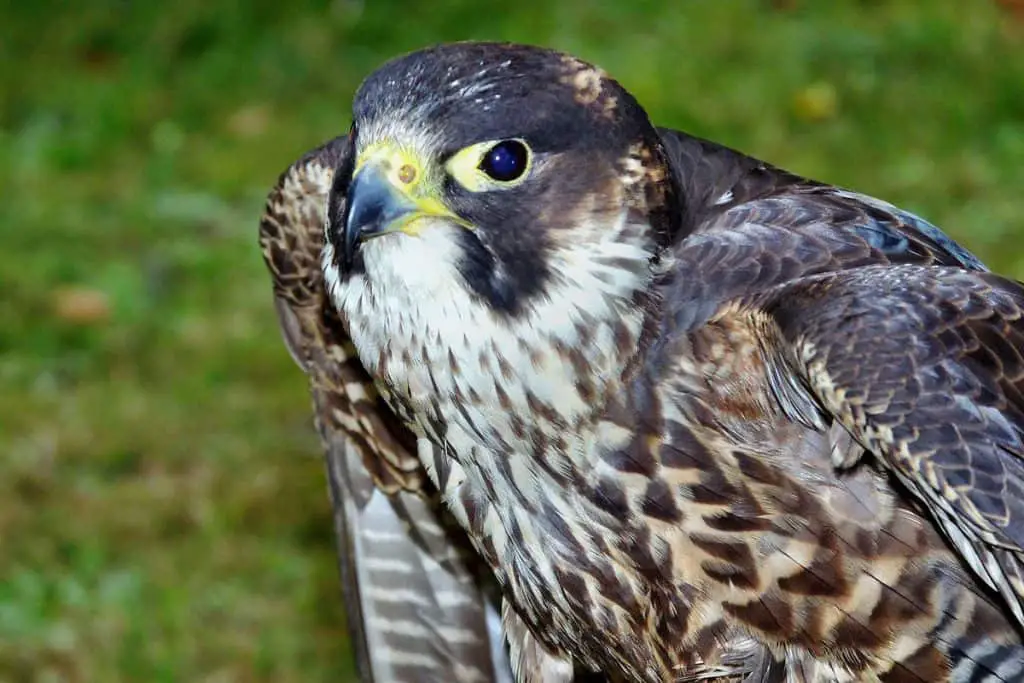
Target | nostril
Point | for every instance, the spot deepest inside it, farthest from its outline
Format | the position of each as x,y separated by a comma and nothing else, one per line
407,173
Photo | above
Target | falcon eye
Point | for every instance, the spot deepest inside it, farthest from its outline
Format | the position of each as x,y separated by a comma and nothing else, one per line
506,160
491,165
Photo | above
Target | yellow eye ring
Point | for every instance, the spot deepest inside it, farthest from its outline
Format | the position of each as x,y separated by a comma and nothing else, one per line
491,165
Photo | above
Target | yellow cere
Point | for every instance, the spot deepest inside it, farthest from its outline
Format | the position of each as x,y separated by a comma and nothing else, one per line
408,175
400,164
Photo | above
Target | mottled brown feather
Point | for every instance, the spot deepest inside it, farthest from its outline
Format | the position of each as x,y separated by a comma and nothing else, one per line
712,535
940,402
416,601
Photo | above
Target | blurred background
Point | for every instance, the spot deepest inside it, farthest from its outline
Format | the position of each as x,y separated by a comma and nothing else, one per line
163,514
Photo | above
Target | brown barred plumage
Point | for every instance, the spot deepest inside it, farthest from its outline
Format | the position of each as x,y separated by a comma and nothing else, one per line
703,419
416,599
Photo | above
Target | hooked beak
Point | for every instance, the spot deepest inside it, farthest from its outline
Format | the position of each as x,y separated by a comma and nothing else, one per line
387,195
374,207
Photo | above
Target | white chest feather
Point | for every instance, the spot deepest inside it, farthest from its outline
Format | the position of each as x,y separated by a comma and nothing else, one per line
489,395
427,340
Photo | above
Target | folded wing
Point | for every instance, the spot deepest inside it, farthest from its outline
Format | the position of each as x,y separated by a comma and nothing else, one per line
417,608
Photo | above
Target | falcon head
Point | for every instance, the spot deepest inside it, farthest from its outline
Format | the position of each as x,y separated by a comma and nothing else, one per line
495,187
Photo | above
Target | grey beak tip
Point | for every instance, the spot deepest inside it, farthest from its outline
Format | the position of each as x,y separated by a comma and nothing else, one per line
373,203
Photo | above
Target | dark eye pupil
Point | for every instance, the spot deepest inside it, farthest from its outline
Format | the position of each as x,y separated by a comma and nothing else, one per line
505,161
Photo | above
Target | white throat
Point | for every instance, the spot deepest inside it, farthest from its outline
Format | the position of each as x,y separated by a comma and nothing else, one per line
428,340
503,407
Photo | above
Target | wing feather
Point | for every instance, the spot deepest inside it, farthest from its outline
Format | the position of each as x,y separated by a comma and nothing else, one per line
417,608
924,366
877,320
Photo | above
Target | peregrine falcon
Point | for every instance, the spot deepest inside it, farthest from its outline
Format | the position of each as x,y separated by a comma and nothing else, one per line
700,417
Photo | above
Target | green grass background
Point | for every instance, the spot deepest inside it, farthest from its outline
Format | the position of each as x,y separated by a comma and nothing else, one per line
163,514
